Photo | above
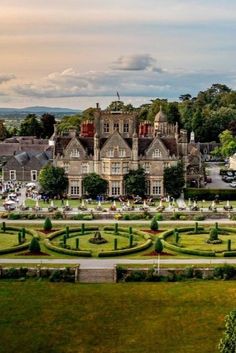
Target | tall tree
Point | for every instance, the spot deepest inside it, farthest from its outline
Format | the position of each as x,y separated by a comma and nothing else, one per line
228,342
53,180
174,180
228,145
30,126
94,185
135,182
47,122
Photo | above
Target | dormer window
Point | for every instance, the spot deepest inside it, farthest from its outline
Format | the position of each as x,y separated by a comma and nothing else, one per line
74,153
110,152
156,153
106,127
122,152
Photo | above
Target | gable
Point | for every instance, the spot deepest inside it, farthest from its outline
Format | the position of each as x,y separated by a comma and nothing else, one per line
157,150
74,150
118,145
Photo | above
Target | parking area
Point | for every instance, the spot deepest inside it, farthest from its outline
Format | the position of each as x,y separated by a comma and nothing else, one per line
213,171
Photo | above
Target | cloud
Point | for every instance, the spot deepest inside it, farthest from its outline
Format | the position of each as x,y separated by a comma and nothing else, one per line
170,84
6,77
138,62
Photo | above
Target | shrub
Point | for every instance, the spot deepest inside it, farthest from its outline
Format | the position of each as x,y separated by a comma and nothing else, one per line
14,216
136,276
77,243
4,227
131,240
23,233
31,216
210,194
19,238
189,272
34,245
130,230
199,218
224,272
175,216
115,243
229,245
47,224
158,246
67,232
228,342
58,215
154,224
116,228
159,217
214,239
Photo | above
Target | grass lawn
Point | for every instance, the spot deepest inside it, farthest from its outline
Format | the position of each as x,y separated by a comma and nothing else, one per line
198,241
182,317
9,239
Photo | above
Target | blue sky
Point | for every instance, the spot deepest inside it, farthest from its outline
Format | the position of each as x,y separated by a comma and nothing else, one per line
69,53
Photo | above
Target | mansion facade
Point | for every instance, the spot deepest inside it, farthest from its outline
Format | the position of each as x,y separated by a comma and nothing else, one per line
115,144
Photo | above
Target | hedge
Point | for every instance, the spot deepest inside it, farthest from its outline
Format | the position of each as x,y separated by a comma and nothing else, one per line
229,254
127,251
66,251
71,230
210,194
21,247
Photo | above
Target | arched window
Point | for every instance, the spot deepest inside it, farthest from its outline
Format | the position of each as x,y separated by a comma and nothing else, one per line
156,153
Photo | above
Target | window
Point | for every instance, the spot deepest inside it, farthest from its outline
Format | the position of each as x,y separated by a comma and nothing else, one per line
66,167
156,187
126,127
125,168
110,152
148,187
12,174
116,126
74,187
156,153
34,175
115,168
106,127
122,152
74,153
115,188
105,168
85,168
146,167
166,165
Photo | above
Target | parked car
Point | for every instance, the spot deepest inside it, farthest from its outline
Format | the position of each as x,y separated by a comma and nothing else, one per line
233,184
208,179
228,179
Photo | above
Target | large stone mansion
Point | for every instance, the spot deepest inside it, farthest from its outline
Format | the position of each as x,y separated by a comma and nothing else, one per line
114,144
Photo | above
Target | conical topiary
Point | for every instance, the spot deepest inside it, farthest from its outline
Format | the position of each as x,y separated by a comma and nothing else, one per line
47,224
158,246
34,245
154,224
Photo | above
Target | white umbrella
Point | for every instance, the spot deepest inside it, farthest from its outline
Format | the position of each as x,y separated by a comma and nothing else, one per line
114,203
227,204
195,204
9,202
37,203
52,203
128,204
160,204
144,204
213,204
30,185
99,204
67,203
189,202
82,203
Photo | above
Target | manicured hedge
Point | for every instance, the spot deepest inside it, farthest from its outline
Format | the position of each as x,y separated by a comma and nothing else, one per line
21,247
127,251
229,254
71,230
66,251
210,194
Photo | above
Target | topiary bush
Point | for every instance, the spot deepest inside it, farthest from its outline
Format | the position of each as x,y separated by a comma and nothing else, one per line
214,238
47,224
154,224
158,246
34,245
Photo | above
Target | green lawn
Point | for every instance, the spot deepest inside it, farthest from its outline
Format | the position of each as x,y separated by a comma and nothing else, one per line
84,244
9,239
182,317
198,241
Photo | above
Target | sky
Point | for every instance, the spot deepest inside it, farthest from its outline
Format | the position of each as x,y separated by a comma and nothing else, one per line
75,53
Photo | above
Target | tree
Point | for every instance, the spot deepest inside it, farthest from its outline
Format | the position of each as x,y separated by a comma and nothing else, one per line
70,122
3,130
34,245
53,180
94,185
228,144
47,224
47,122
174,180
154,224
228,342
135,182
30,126
158,246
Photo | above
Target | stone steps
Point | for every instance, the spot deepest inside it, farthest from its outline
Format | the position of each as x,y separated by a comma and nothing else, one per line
97,275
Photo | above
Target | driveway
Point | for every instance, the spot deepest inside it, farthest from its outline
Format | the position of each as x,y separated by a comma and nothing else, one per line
213,171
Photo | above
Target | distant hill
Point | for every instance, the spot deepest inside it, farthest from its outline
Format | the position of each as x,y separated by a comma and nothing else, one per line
39,109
